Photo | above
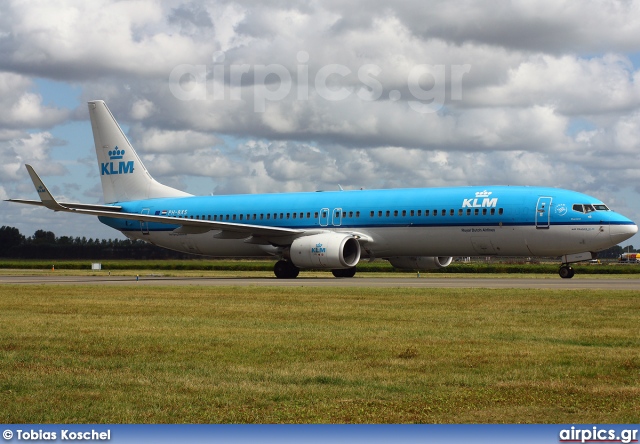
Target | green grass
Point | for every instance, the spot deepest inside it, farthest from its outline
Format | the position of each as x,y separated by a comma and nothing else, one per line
378,266
72,354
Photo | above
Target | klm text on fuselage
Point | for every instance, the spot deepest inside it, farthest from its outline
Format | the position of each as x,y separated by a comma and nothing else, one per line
477,203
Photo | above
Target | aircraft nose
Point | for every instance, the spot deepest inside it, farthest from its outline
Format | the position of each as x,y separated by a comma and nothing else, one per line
620,233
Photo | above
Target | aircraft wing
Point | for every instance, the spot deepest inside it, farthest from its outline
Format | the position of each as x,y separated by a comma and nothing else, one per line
190,226
74,206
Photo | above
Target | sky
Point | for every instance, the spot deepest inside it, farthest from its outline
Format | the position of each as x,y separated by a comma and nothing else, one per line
226,97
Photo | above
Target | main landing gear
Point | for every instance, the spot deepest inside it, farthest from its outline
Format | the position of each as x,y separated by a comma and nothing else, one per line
344,272
566,271
285,270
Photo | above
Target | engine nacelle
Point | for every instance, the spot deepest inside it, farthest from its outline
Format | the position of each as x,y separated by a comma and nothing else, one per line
326,250
420,262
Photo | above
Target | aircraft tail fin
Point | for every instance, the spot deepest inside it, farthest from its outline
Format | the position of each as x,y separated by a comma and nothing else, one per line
122,173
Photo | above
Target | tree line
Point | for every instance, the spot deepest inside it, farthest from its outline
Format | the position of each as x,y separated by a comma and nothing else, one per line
46,245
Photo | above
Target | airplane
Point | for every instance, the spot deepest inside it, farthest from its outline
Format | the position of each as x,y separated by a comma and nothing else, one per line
417,229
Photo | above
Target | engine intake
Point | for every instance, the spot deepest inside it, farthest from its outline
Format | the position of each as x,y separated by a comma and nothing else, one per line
326,250
420,262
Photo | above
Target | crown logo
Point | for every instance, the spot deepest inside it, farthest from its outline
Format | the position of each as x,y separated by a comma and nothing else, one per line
41,189
484,193
116,154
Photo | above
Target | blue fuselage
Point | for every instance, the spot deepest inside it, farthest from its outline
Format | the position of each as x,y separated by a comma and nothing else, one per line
425,221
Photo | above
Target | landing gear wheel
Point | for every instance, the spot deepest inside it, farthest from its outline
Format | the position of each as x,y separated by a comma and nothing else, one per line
566,272
285,270
344,272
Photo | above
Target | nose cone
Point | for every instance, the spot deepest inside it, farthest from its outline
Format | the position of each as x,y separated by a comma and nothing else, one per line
622,232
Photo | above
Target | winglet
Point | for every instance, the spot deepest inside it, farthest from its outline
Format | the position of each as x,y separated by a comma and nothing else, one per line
45,196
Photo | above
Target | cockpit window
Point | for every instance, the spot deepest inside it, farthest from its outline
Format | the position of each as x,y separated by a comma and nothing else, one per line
588,208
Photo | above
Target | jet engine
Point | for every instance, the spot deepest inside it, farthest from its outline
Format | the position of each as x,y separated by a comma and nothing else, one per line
420,262
326,250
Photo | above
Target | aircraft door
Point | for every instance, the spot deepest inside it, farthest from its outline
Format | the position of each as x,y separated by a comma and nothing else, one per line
144,226
337,217
543,212
324,217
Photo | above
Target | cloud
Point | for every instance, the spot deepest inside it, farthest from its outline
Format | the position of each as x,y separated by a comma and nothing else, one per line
22,108
155,140
33,149
303,96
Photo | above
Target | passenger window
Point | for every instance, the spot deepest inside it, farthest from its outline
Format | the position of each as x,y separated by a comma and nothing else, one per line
500,211
275,215
412,213
350,213
451,212
484,211
241,217
371,214
404,213
227,216
468,211
281,216
420,212
268,216
234,217
493,211
294,215
395,213
476,212
357,214
215,217
388,213
316,214
379,213
444,212
288,214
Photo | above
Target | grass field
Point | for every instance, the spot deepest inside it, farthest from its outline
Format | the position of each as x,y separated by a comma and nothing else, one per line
204,266
191,354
